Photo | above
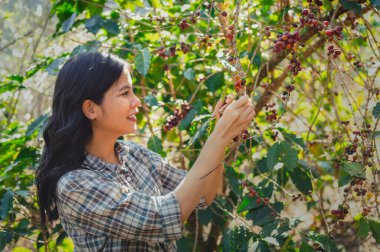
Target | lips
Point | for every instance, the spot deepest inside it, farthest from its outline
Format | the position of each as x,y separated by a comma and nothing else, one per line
132,117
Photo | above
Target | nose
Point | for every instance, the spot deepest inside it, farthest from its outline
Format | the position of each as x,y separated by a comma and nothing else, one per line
136,102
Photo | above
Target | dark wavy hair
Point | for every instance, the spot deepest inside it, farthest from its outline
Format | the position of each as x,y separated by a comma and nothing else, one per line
68,130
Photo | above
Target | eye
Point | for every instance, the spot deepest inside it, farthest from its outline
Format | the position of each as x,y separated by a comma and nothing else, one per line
126,93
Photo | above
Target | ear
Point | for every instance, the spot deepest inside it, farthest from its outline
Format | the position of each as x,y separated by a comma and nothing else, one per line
89,109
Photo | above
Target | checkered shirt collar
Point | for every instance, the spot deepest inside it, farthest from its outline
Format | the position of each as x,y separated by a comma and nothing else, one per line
96,163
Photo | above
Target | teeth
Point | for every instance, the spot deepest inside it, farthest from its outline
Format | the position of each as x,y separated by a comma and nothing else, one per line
132,117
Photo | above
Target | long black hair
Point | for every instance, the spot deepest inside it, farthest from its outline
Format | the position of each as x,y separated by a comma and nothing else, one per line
83,76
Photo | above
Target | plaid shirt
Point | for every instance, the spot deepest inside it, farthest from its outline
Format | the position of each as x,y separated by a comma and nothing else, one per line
129,207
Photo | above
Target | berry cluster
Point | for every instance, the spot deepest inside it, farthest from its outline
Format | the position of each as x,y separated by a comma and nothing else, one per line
204,41
230,33
232,60
308,19
341,212
317,2
271,115
286,93
179,114
286,41
298,197
358,64
252,193
366,211
337,31
360,191
332,51
193,19
239,83
267,31
295,65
171,51
366,150
244,135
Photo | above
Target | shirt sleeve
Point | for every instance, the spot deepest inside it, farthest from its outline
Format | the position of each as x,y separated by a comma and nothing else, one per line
102,207
170,175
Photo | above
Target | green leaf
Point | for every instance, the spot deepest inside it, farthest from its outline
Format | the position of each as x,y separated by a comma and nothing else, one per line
68,23
261,165
263,215
375,3
53,67
184,245
9,87
142,61
306,247
344,178
215,82
205,216
17,78
112,27
60,238
351,6
94,24
259,246
233,180
363,228
301,180
376,110
292,138
6,204
189,74
236,239
274,154
155,144
186,122
375,229
5,238
354,169
36,124
325,242
151,100
200,132
290,156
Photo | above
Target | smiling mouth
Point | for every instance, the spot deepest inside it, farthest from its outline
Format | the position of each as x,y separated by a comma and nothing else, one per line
132,118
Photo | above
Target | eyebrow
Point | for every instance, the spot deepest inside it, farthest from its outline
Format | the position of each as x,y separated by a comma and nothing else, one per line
125,87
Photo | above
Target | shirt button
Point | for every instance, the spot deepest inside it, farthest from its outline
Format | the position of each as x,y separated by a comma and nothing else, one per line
129,179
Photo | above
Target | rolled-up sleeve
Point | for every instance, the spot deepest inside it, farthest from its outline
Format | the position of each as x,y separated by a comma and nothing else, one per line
102,207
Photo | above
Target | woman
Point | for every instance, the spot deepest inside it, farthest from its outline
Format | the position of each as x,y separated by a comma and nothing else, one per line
114,195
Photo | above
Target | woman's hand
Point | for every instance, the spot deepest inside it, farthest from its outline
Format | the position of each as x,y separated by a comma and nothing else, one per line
221,104
236,117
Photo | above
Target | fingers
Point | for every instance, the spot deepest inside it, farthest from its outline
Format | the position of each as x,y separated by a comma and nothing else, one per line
222,104
248,110
217,107
252,114
229,99
241,102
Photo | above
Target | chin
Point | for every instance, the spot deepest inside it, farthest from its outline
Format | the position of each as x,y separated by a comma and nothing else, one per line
131,131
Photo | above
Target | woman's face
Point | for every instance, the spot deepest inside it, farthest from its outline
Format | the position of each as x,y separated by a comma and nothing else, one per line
116,114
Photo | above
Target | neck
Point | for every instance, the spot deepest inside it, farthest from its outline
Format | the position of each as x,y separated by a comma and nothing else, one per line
103,147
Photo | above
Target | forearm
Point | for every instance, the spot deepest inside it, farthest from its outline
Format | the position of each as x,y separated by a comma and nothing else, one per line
192,188
217,181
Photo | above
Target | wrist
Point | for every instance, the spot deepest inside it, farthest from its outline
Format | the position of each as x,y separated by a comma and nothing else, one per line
218,140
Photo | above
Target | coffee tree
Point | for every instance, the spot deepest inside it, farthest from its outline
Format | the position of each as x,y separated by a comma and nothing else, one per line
303,176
